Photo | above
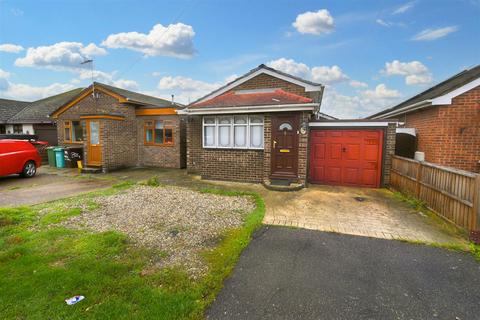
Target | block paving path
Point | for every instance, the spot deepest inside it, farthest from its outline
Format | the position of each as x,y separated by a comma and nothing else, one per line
356,211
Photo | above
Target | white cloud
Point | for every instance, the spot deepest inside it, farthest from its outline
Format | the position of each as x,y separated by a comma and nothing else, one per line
321,74
61,56
358,84
328,75
383,23
174,40
359,106
21,91
414,71
404,8
4,75
433,34
381,92
11,48
126,84
317,23
290,66
186,89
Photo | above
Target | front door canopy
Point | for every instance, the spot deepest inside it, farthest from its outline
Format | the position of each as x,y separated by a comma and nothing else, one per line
284,152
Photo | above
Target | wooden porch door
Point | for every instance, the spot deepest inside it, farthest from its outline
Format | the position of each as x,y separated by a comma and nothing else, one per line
94,147
284,146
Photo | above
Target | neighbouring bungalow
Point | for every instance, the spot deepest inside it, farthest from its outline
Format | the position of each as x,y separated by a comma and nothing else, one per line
34,117
445,120
8,109
118,128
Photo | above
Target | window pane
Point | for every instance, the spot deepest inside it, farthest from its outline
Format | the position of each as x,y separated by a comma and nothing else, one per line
224,120
159,132
224,136
256,119
77,131
285,126
240,134
209,120
256,136
209,136
148,135
67,134
168,135
94,132
241,119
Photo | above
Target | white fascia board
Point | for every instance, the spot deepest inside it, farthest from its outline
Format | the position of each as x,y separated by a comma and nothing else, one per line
308,87
447,98
252,109
415,106
350,124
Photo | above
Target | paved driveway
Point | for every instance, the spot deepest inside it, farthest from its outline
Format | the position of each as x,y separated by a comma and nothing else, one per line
356,211
290,273
47,185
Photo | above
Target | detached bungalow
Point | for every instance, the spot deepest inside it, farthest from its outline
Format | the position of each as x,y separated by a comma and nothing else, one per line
266,126
119,128
445,119
254,129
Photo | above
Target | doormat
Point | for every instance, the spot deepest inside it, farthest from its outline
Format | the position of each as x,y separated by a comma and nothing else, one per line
280,182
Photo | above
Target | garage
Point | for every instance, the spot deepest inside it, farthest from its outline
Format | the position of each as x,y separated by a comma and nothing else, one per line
347,153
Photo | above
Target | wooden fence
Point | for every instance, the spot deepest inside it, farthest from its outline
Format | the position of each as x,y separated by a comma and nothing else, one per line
452,193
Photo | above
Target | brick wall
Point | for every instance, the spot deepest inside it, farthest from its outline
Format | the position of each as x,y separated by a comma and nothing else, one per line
194,144
265,81
161,156
450,135
122,140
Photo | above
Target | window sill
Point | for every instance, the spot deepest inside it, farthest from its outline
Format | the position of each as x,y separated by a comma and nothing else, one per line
159,145
73,142
232,148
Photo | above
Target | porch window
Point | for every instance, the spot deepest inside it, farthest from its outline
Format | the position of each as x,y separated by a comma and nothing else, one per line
235,132
158,132
17,128
73,131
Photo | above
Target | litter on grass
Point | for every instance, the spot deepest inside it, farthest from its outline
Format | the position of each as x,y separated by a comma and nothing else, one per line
73,300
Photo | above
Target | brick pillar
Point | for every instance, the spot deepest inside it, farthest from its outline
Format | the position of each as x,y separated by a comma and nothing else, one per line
194,143
389,151
267,139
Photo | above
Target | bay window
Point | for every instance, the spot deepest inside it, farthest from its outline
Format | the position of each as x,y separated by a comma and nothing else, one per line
235,132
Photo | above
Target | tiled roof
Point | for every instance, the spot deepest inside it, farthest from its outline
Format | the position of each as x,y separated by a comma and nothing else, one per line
138,97
9,108
252,98
452,83
38,111
246,75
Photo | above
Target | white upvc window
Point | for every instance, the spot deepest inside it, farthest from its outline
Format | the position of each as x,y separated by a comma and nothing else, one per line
233,132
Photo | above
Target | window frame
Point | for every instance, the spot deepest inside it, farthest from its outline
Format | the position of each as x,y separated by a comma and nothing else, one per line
167,125
69,124
232,125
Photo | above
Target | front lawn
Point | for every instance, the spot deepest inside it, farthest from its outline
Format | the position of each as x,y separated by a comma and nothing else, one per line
43,261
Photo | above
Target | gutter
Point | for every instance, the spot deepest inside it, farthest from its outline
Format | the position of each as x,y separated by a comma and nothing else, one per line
251,109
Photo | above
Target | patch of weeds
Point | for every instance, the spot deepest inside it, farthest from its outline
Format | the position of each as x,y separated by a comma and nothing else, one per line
13,188
152,182
123,185
475,250
421,207
460,247
17,215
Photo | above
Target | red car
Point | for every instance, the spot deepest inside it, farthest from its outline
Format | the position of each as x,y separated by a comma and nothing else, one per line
19,157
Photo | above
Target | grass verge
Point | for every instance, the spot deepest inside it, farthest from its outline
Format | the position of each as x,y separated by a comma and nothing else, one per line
43,264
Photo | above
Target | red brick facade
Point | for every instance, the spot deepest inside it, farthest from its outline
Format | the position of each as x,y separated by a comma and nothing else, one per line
122,140
243,165
450,134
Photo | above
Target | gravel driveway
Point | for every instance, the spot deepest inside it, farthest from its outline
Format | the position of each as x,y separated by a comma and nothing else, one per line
177,221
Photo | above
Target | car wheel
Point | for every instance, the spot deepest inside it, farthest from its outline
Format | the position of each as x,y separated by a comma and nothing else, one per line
29,169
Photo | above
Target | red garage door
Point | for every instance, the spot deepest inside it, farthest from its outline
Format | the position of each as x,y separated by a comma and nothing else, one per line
346,157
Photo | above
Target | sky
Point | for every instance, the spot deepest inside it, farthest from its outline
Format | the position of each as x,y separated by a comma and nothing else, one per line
369,54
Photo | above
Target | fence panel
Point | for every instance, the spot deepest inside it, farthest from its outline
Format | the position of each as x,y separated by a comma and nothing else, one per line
452,193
